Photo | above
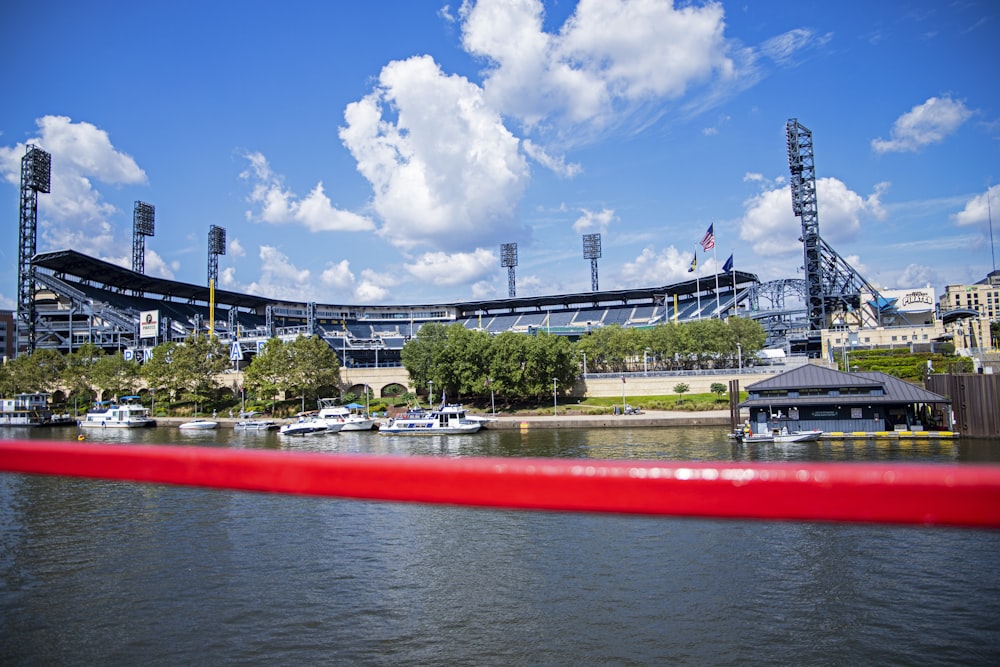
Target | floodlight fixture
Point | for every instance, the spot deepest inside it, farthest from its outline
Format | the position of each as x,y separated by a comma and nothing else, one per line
216,247
39,165
217,240
143,225
508,258
592,251
36,176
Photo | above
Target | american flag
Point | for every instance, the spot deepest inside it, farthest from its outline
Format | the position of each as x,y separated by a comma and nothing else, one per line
708,241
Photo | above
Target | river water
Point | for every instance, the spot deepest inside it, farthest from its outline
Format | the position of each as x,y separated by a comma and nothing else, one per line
113,573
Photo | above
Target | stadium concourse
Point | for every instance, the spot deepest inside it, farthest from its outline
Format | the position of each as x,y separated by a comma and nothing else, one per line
81,299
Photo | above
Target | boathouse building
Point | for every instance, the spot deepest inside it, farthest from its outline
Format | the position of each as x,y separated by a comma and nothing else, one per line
814,397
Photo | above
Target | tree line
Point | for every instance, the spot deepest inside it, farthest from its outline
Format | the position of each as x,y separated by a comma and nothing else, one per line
461,362
175,372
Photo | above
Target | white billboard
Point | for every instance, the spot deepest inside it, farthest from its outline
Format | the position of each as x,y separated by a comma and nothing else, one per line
149,323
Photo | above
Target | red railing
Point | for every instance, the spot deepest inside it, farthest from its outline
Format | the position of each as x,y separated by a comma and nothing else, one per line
902,493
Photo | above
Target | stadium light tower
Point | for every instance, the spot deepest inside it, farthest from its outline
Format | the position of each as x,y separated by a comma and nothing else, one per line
143,225
592,251
216,247
36,176
508,258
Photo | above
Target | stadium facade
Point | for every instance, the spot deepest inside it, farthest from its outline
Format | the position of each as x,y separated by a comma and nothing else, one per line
80,299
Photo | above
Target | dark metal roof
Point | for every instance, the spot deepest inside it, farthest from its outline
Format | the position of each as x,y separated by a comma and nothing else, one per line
954,314
686,288
117,278
811,376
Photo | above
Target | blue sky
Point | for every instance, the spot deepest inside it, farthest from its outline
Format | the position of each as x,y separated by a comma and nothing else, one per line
380,152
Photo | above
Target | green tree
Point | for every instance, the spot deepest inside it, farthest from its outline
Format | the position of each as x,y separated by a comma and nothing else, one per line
195,365
314,367
268,373
463,361
718,389
163,378
114,375
751,338
79,377
423,354
40,371
680,389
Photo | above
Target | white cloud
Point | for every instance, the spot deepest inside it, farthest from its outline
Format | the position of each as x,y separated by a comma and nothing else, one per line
556,164
782,48
74,214
979,209
924,124
439,268
917,275
279,278
236,248
374,287
155,265
337,283
656,268
590,221
770,228
278,205
610,55
338,276
444,170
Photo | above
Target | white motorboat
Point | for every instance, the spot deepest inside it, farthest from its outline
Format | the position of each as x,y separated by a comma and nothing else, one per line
348,417
306,425
446,420
198,425
249,422
256,425
783,436
127,414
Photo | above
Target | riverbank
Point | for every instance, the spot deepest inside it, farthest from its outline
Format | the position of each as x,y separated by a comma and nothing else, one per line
648,418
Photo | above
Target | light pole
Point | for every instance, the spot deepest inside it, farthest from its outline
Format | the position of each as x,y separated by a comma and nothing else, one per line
584,365
645,364
430,393
555,401
493,405
739,351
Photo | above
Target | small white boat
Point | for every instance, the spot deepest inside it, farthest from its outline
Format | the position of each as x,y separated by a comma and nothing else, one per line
198,425
797,436
446,420
123,415
348,417
306,425
249,422
256,425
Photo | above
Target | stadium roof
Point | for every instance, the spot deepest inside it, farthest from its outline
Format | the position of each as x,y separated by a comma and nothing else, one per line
117,278
686,288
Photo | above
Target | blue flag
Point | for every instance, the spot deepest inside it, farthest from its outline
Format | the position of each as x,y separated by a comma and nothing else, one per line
728,266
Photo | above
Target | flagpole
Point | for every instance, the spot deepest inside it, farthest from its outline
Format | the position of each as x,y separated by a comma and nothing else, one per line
732,268
697,286
715,259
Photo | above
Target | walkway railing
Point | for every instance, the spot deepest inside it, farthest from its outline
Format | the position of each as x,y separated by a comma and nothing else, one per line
923,494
